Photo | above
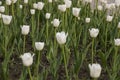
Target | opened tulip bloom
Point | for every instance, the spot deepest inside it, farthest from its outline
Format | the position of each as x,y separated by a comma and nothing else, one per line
40,5
56,22
25,29
109,18
76,11
27,59
68,3
62,7
39,45
6,19
117,42
94,32
61,37
95,70
2,9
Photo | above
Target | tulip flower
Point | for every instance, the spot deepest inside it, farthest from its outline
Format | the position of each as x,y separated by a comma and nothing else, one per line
100,8
40,5
117,3
47,16
61,37
94,32
95,70
68,3
8,2
50,1
2,9
32,11
25,1
109,18
35,5
25,29
117,42
118,25
27,59
87,20
6,19
55,22
39,45
62,7
76,11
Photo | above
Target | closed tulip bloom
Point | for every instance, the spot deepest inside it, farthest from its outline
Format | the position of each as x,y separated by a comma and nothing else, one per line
21,6
109,18
32,11
50,1
40,5
25,1
2,9
88,1
27,59
62,7
118,25
117,42
95,70
76,11
39,45
47,16
6,19
87,20
8,2
117,3
61,37
100,8
25,29
68,3
94,32
56,22
35,5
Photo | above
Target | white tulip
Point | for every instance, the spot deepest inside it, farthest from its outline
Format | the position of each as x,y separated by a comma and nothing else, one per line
39,45
95,70
21,6
50,1
8,2
25,29
40,5
25,1
14,1
117,3
32,11
68,3
6,19
27,59
47,16
118,25
76,11
56,22
88,1
2,9
100,8
62,7
94,32
117,42
35,5
61,37
87,20
109,18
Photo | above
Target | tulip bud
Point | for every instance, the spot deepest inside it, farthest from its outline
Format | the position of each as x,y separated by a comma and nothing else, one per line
87,20
25,1
100,8
119,25
117,3
94,32
50,1
47,16
6,19
35,5
25,29
61,37
95,70
68,3
2,9
117,42
76,11
32,11
8,2
62,8
39,45
27,59
40,5
21,6
109,18
56,22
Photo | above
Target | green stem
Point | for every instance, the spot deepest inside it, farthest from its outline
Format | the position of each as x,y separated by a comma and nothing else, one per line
38,62
92,50
13,9
65,62
115,58
106,37
24,44
38,18
63,21
30,73
47,33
